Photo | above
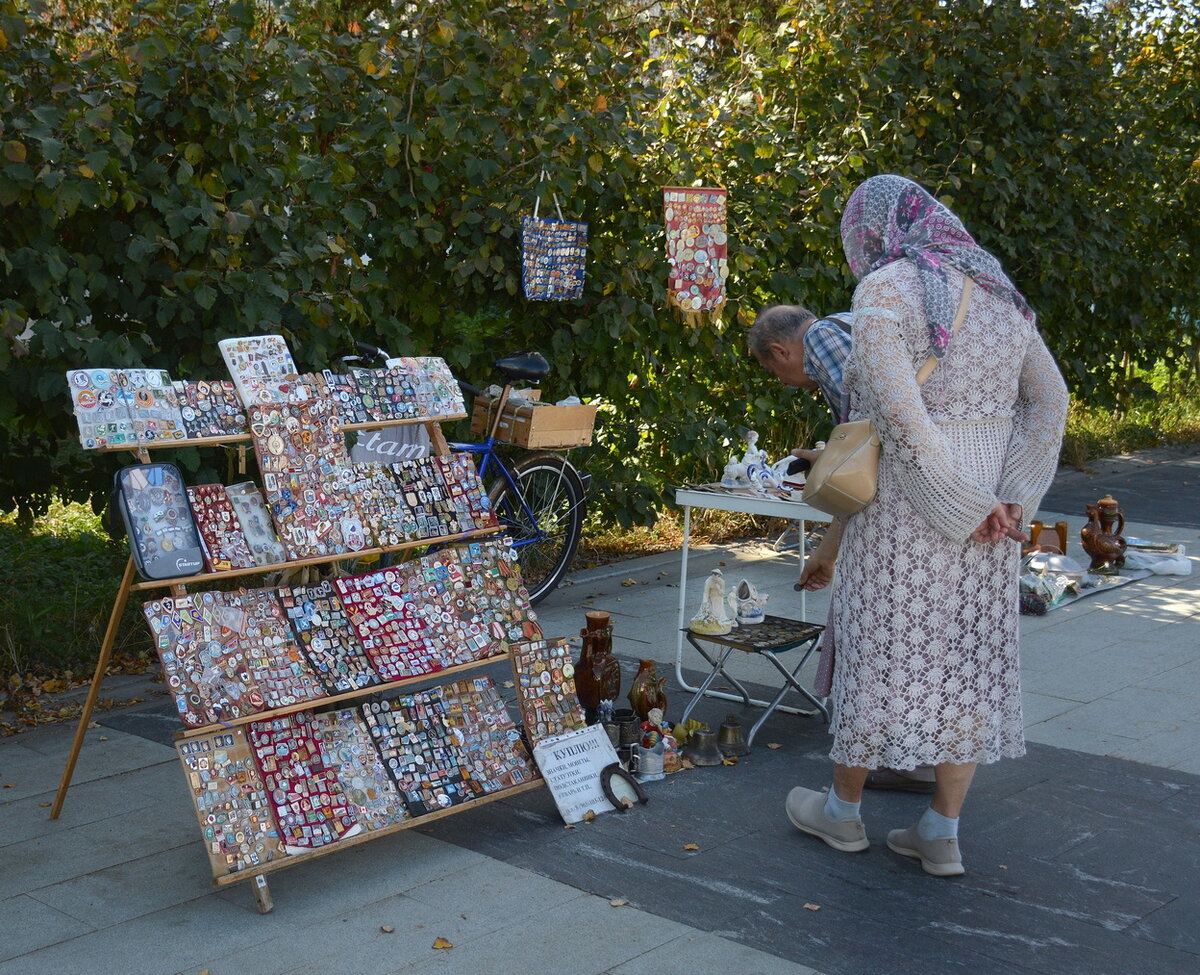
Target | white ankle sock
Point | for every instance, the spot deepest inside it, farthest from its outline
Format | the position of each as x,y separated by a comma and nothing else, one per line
934,826
838,810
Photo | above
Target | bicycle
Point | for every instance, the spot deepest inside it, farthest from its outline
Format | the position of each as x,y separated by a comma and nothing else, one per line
539,497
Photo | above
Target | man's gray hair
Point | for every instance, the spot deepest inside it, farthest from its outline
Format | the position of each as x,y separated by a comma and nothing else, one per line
777,323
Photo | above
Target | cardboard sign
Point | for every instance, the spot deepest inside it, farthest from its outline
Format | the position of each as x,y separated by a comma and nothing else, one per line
571,765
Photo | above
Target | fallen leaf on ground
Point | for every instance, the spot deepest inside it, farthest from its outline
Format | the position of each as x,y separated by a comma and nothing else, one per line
773,745
386,928
588,816
509,683
731,760
1003,866
618,902
442,943
43,804
93,724
691,846
102,738
629,582
10,785
812,907
569,826
626,802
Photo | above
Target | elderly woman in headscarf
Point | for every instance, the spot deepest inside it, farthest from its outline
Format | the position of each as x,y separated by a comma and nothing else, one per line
921,647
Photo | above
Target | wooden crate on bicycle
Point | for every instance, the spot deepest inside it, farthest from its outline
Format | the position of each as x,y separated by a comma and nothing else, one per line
534,424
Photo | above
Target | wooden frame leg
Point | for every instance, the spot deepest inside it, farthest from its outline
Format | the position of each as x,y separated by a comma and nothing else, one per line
110,637
262,895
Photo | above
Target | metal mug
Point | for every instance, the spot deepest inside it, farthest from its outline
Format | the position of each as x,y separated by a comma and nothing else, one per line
646,764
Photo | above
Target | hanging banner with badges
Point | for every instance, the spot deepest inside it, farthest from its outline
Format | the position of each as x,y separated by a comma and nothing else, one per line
697,249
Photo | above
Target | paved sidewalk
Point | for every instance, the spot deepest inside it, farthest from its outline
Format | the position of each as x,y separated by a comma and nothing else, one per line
1082,857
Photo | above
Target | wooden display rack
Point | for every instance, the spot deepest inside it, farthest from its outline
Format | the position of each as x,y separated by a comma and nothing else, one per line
178,587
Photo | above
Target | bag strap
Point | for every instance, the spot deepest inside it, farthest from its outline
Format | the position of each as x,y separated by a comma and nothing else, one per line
927,369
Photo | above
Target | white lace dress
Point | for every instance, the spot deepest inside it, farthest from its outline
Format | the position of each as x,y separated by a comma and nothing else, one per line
924,620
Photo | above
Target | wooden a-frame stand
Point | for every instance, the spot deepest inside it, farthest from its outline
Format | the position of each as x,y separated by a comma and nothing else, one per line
178,587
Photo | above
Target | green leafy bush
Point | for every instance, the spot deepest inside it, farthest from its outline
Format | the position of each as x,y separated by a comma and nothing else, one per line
58,580
175,173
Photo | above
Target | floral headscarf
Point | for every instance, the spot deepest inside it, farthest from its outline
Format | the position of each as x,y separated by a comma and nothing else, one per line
889,218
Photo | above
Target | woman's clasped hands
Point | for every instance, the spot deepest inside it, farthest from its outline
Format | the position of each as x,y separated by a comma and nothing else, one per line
1004,521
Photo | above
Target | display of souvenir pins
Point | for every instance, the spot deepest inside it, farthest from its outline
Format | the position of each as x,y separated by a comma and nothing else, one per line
261,367
369,789
277,665
420,753
553,253
546,688
424,493
388,624
306,796
476,714
697,247
326,637
196,636
386,519
162,535
432,586
257,526
211,408
240,832
154,406
493,577
307,516
225,545
303,436
102,415
436,390
465,490
343,390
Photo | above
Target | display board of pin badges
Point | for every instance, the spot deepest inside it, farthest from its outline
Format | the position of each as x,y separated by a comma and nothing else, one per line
231,655
314,511
137,407
546,689
292,784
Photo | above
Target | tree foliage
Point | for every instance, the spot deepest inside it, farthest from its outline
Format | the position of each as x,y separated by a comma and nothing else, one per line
172,174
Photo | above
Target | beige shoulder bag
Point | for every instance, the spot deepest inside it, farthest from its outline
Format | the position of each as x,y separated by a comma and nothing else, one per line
844,478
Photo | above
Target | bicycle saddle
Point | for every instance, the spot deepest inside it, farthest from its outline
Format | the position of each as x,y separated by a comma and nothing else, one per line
530,366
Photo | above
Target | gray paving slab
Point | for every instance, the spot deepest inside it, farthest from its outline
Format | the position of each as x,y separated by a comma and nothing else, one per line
28,924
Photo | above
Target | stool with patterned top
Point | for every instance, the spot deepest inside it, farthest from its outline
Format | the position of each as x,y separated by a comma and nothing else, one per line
773,636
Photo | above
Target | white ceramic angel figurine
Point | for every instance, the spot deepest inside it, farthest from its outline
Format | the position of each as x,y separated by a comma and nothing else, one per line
711,619
754,454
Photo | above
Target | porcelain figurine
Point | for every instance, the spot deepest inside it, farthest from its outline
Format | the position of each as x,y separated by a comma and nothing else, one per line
712,619
754,454
747,603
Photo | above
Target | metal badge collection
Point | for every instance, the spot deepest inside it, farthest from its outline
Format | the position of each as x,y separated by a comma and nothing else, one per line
127,407
292,777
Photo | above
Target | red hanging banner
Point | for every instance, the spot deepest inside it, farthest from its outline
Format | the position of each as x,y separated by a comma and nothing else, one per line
696,248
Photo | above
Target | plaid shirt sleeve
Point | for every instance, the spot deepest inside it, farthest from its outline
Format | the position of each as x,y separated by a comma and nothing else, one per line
826,346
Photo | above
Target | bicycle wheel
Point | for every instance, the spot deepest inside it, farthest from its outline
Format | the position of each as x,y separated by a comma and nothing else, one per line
554,494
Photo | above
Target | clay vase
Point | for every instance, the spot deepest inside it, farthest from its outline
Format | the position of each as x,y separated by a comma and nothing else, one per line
1101,536
647,692
598,673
